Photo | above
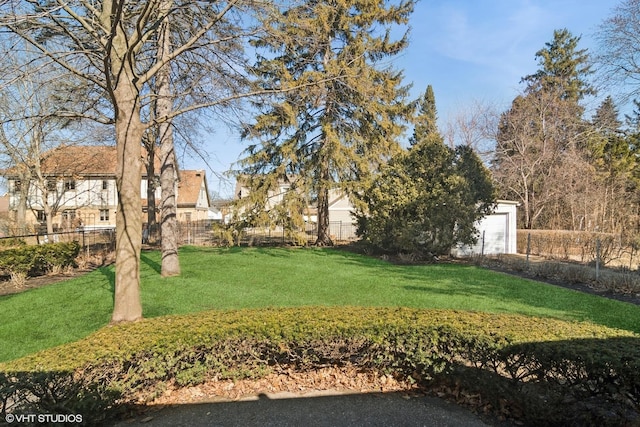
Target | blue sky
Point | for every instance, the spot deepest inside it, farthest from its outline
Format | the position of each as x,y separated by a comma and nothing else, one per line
468,50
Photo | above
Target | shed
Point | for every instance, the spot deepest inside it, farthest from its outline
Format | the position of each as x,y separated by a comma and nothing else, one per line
496,232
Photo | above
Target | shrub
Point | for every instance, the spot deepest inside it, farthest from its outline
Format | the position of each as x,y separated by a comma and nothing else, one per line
577,245
38,260
57,393
12,242
426,200
541,371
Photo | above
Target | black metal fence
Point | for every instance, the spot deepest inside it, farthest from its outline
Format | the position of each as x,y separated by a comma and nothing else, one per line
212,233
202,233
98,238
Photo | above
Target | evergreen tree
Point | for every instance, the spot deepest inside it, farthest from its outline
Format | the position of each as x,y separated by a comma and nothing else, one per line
606,119
346,121
613,155
426,121
427,199
563,68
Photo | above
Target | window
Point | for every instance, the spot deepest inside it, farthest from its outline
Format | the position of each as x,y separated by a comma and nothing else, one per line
69,184
17,185
104,214
105,184
51,185
68,215
40,216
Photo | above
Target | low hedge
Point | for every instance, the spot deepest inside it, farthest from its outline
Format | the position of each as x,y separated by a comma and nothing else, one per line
38,259
539,371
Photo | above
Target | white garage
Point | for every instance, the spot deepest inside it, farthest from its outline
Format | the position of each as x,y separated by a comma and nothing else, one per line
497,232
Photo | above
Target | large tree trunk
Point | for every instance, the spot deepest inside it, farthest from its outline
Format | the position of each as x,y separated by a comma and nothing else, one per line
168,172
127,306
129,130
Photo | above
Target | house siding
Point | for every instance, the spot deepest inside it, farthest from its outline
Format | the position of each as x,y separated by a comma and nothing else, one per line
85,187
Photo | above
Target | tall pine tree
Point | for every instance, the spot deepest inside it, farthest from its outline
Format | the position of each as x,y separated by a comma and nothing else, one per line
425,122
335,131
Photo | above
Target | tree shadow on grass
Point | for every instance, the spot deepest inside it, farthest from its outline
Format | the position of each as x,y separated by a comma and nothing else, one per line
153,264
109,273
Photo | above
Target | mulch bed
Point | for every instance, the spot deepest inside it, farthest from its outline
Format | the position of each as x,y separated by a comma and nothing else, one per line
8,288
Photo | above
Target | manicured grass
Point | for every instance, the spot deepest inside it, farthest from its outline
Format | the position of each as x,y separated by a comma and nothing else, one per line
268,277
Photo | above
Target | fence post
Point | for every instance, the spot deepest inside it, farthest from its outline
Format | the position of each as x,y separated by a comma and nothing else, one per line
482,250
528,247
597,258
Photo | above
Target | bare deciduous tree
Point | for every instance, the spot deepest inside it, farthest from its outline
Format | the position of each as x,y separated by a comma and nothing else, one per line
618,58
475,126
108,45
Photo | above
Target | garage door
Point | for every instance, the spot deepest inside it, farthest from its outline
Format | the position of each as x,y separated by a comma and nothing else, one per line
495,229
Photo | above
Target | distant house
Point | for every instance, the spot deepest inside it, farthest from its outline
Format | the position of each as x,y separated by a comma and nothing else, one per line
342,224
497,232
193,196
81,184
4,214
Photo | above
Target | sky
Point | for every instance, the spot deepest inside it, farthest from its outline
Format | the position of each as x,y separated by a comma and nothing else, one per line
469,51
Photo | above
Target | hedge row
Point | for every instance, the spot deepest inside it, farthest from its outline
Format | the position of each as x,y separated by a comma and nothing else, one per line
39,259
539,371
577,245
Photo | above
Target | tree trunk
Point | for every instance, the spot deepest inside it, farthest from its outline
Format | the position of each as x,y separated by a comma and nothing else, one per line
324,238
152,223
129,130
168,172
127,306
48,214
21,207
169,221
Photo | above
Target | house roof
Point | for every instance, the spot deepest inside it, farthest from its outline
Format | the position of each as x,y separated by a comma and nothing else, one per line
81,160
191,181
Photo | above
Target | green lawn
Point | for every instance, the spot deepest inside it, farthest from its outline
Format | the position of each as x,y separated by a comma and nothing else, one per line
268,277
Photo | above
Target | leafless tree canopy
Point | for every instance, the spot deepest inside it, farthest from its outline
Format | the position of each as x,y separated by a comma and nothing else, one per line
618,58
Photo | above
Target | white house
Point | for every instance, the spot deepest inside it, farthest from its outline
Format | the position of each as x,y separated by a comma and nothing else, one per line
497,232
342,225
81,186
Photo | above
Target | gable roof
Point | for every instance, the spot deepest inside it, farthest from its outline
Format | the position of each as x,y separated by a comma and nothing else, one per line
191,181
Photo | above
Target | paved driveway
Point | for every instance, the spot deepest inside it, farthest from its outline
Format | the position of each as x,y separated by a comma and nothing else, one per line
319,409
